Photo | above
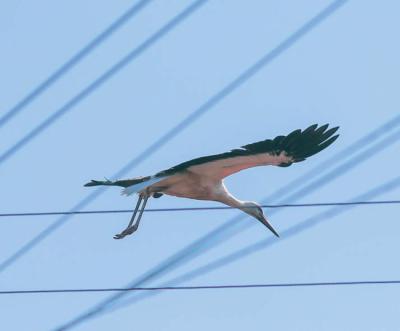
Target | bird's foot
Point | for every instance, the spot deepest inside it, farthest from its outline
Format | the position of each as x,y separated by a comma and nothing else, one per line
126,232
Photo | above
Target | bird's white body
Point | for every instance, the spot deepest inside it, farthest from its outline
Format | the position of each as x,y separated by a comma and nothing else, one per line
190,185
202,178
205,181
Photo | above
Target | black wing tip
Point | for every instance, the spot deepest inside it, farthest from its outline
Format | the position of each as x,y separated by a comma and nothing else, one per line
334,137
311,141
332,130
316,125
299,144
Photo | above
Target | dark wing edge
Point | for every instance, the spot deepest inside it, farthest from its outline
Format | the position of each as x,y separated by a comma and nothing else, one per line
298,144
122,183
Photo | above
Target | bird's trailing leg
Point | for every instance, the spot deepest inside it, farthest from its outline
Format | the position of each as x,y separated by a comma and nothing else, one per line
131,228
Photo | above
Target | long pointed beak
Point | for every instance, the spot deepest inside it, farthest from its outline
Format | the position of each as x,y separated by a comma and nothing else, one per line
264,221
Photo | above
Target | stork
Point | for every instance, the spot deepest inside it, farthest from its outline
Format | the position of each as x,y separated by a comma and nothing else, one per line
202,178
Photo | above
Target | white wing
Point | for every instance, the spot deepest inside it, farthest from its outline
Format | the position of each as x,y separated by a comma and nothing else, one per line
225,167
281,151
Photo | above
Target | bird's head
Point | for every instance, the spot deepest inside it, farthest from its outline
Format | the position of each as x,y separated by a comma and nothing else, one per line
256,211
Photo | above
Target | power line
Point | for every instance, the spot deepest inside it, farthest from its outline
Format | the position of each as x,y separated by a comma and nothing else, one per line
199,246
194,249
204,287
364,141
235,225
119,211
262,244
160,142
290,232
195,115
101,79
74,60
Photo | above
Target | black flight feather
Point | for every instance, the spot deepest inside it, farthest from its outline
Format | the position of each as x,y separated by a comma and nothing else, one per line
298,144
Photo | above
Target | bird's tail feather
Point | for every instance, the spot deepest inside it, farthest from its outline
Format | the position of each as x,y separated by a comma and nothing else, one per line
99,182
122,183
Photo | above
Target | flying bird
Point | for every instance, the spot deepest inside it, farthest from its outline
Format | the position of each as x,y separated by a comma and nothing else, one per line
202,178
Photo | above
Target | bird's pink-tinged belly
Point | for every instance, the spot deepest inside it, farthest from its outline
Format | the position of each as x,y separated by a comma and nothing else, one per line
190,186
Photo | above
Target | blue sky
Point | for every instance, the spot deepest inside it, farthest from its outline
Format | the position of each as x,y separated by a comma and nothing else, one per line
344,72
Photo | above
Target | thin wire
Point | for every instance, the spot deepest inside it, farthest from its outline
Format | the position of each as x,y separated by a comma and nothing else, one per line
205,287
160,142
235,225
198,247
262,244
74,60
102,79
265,243
118,211
382,130
204,108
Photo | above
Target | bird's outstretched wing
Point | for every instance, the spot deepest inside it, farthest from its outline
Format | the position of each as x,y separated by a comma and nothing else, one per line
281,151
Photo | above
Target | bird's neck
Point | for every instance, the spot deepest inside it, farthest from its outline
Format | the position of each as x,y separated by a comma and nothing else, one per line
224,196
231,201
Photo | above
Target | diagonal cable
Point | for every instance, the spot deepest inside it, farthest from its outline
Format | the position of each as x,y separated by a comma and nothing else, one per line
101,80
131,164
196,114
287,234
265,243
382,130
199,246
236,225
74,60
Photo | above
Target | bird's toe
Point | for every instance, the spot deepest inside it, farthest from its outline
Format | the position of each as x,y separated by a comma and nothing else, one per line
126,232
118,236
